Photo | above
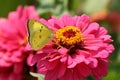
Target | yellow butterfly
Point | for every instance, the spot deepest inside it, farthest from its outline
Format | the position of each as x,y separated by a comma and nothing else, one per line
39,34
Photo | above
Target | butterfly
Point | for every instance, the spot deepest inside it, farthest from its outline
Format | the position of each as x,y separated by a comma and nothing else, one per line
39,34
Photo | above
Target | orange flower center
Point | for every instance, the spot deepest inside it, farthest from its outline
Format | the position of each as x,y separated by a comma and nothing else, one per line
69,36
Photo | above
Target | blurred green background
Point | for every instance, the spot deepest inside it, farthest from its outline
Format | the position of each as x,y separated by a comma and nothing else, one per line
99,10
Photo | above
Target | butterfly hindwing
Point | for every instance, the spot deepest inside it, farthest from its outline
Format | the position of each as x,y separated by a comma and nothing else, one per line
39,34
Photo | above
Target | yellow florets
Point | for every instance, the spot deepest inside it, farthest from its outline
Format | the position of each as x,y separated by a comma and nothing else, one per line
69,36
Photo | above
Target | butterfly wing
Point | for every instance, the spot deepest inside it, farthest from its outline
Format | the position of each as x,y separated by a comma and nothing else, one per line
39,34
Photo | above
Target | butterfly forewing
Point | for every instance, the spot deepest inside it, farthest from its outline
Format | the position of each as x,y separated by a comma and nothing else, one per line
39,34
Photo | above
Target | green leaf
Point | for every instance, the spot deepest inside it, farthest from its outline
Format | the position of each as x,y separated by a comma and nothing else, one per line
39,76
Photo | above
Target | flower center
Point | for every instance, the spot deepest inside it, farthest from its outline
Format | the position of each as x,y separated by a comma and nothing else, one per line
69,36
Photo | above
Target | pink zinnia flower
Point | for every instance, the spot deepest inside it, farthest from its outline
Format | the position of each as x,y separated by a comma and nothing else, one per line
13,41
79,49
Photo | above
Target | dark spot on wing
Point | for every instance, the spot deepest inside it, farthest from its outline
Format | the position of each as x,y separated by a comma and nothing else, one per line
37,45
49,37
41,26
40,30
40,36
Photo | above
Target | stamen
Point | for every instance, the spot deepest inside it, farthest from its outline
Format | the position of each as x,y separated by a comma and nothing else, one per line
69,36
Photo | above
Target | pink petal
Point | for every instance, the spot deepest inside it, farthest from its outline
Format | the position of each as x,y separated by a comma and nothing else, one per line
79,58
110,48
47,24
31,12
52,24
18,67
70,60
82,22
28,47
106,38
72,65
56,72
51,65
67,20
92,28
64,59
100,70
84,70
37,57
68,75
77,75
92,47
4,64
93,62
58,22
63,51
41,69
83,54
102,54
15,15
102,31
62,70
29,59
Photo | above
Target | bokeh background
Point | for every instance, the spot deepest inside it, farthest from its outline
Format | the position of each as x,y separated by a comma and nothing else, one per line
105,12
